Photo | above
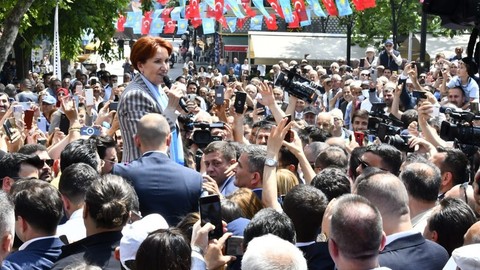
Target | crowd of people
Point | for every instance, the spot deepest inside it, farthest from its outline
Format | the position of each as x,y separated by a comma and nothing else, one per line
369,166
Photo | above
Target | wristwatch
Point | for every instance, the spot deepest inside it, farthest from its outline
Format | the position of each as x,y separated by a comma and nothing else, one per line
270,162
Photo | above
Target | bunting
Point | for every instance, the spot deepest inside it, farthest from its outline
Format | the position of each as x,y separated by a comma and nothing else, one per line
241,22
296,22
157,26
169,27
259,5
256,22
369,4
121,23
317,8
278,9
232,23
299,7
175,13
182,26
344,8
248,10
132,18
330,6
223,22
146,22
208,26
162,2
287,10
233,4
309,19
165,15
271,22
196,22
218,9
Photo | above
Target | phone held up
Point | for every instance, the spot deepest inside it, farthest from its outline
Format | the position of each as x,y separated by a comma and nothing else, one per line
211,211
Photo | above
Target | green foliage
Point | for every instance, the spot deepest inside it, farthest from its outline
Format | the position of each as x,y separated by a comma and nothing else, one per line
74,17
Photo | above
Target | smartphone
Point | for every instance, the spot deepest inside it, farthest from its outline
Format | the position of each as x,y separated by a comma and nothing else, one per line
289,136
42,124
28,118
234,246
89,99
240,99
114,85
7,126
359,137
474,107
77,100
17,112
89,131
79,90
211,211
362,63
260,105
113,106
42,141
419,94
394,72
219,95
64,124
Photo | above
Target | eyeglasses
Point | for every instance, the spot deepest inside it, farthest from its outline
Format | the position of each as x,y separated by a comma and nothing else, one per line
49,162
388,45
365,74
113,161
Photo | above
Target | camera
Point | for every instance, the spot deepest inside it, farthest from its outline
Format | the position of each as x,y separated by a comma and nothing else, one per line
203,135
399,141
298,86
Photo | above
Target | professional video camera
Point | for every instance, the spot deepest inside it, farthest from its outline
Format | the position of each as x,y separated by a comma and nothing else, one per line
387,128
203,135
298,86
461,128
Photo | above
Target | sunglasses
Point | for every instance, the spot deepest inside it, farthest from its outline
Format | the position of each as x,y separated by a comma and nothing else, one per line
49,162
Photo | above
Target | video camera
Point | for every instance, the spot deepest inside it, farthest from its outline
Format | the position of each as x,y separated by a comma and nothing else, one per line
298,86
461,128
203,136
387,128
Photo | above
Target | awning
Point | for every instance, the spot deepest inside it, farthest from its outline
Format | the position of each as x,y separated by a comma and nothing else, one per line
270,47
435,45
235,43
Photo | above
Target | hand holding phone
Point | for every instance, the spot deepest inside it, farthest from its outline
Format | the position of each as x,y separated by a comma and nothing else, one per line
240,99
289,136
219,94
211,211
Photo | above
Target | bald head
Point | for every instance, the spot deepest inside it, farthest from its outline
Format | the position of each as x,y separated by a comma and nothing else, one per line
153,131
472,236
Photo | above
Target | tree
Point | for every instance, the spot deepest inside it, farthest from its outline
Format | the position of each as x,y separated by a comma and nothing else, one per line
11,26
75,16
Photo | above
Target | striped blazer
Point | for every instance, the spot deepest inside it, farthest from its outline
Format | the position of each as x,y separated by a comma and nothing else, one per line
136,101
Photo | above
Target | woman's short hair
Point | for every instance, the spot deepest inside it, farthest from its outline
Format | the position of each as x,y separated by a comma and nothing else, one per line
146,47
164,249
286,180
109,201
247,200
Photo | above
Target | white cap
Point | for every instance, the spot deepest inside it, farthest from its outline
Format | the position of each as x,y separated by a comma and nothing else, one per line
135,233
466,257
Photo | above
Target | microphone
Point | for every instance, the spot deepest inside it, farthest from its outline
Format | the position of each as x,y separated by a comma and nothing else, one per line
168,83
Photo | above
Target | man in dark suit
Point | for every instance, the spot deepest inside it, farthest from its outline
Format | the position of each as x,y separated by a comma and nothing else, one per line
163,186
38,209
405,248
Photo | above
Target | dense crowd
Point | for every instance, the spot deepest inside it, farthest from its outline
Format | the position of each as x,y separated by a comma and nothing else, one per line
368,166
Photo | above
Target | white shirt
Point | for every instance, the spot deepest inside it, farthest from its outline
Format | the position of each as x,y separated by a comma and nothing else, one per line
24,245
395,236
74,229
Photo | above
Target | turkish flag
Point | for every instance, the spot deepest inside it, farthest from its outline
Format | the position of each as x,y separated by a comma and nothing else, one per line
248,10
276,7
331,8
358,5
218,10
162,2
194,9
241,22
210,12
271,22
299,7
196,22
166,14
223,21
369,4
120,22
296,20
146,22
169,27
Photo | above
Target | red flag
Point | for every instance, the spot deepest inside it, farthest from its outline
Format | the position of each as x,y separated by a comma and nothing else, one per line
276,7
169,27
248,10
330,6
146,22
194,9
271,22
223,22
120,22
369,4
162,2
218,10
210,12
166,14
299,7
358,5
296,21
241,22
196,22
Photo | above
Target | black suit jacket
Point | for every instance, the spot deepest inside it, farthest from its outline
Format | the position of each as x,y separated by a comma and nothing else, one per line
163,186
317,256
413,252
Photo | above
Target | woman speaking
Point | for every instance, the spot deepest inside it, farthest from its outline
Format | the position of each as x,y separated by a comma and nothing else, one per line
145,94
